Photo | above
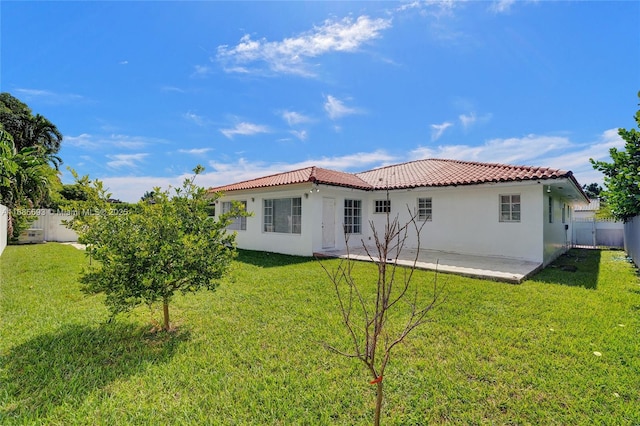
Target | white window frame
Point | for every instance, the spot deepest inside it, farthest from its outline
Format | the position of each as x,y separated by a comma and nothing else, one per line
239,222
352,216
382,206
425,209
275,213
510,207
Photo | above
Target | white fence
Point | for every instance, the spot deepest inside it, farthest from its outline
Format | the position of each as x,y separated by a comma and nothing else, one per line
50,221
4,225
598,233
632,239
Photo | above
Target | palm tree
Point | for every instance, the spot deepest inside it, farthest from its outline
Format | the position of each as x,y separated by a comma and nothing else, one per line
25,178
8,166
29,130
43,133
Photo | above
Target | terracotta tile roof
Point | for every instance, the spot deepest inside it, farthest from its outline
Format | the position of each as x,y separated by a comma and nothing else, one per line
438,172
420,173
308,174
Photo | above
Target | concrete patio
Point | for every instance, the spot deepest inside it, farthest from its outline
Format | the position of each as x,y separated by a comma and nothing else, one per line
485,267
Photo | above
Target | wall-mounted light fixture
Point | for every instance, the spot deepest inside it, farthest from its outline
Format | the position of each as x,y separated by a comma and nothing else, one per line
548,189
253,199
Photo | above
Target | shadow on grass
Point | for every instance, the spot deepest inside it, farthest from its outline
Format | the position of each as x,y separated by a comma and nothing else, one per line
576,268
62,368
269,260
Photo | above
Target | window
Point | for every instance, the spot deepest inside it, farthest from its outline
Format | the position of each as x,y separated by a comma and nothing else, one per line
510,208
424,209
211,209
239,223
382,206
550,209
352,216
282,215
564,213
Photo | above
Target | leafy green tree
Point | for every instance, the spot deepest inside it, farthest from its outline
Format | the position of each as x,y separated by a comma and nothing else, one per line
8,166
85,198
29,162
25,181
29,130
595,192
592,190
147,255
622,175
148,196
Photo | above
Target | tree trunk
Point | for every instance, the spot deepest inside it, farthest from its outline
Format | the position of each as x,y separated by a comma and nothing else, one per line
165,310
376,420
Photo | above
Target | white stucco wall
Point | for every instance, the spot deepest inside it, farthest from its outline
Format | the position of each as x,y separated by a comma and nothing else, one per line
465,220
253,238
4,219
556,238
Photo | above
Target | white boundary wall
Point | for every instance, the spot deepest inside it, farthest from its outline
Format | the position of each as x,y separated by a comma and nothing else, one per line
4,223
50,222
598,232
632,239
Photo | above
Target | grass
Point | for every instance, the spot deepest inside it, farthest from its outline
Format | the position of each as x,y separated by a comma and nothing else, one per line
561,348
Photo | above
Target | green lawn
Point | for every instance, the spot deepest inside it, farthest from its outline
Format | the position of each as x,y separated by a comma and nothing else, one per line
562,348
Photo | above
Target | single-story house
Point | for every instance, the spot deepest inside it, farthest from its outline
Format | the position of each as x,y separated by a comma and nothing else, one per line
587,211
470,208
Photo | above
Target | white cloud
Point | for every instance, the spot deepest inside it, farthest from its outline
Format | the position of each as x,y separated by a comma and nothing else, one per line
131,142
300,134
356,162
335,108
48,96
172,89
245,129
533,150
577,159
508,151
195,118
101,142
131,188
292,118
434,8
289,55
83,140
438,129
125,160
501,6
241,170
468,120
201,71
195,151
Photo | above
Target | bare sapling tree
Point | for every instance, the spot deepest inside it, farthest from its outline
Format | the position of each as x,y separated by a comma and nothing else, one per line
378,321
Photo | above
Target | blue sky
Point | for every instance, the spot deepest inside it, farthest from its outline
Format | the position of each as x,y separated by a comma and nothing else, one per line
144,91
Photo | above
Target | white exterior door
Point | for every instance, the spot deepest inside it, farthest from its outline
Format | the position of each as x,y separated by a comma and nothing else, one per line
328,222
